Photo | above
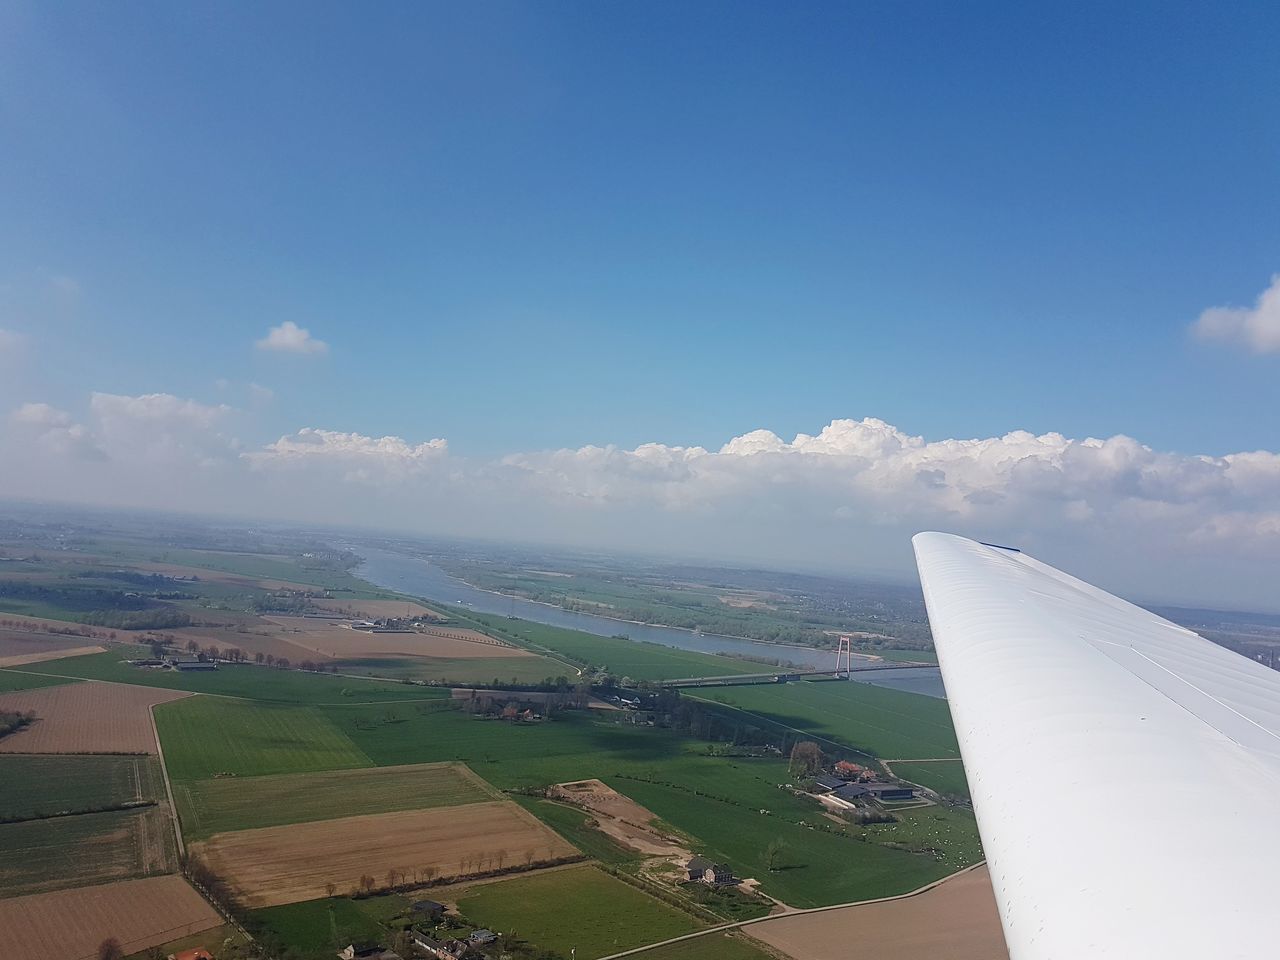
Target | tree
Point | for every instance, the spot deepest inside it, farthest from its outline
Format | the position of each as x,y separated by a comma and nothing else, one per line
806,758
110,949
259,657
330,888
429,872
773,852
192,646
366,882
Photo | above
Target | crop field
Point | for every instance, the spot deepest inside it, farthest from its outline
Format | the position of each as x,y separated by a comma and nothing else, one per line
19,646
243,680
40,855
945,776
376,609
243,803
875,720
70,924
85,718
957,920
320,928
13,680
208,737
714,946
583,909
278,865
623,658
32,787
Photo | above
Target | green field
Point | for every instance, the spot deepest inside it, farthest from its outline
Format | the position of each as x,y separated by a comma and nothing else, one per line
950,831
622,658
208,737
572,824
11,680
243,680
33,787
461,671
207,807
581,908
318,929
713,946
714,799
817,866
874,720
41,855
945,776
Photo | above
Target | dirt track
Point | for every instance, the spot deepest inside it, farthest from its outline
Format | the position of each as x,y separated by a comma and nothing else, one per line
956,920
70,924
279,865
86,718
620,818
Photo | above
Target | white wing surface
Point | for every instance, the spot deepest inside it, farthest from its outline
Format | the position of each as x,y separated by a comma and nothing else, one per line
1125,771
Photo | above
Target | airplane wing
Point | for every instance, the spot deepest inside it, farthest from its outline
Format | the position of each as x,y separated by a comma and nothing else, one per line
1125,771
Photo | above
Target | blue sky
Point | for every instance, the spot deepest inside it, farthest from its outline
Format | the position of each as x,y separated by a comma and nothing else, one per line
529,225
533,226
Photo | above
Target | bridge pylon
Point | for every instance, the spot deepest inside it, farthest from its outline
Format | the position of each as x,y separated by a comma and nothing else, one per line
844,651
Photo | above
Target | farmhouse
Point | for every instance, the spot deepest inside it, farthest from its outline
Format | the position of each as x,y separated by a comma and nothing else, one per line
708,871
189,665
443,949
825,784
482,936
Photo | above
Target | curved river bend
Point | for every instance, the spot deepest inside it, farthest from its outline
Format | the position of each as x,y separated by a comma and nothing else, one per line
420,578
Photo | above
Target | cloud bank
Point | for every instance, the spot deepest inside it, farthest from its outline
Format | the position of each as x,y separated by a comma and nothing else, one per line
1167,526
1256,327
291,338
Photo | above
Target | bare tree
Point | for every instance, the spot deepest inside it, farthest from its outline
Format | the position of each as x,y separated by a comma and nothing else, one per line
773,852
806,758
528,858
429,872
502,857
330,888
110,949
259,657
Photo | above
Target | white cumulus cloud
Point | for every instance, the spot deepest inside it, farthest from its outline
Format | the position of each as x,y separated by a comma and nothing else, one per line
1257,327
288,337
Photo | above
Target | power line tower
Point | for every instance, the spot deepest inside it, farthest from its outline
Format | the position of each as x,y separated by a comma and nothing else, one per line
844,650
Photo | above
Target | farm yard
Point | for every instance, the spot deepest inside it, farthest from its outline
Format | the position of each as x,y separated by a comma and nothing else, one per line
70,924
278,865
85,718
32,787
582,909
214,806
51,854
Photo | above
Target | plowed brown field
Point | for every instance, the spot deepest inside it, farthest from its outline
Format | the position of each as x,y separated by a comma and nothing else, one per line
86,718
286,864
957,920
334,640
17,650
70,924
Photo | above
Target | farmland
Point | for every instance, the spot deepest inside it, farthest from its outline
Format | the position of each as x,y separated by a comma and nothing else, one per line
33,787
13,680
39,855
622,658
242,803
713,946
278,865
582,908
319,928
85,718
881,722
207,737
244,680
957,920
72,923
945,776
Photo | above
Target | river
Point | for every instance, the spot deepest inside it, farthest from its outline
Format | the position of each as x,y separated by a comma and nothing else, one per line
421,578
